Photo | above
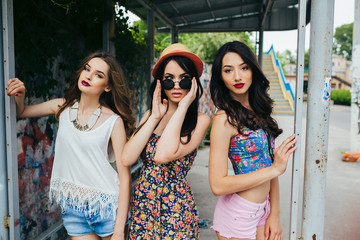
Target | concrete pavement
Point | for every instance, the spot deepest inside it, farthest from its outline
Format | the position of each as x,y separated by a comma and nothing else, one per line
342,212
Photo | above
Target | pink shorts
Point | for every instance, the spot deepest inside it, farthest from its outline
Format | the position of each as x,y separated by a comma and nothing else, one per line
236,217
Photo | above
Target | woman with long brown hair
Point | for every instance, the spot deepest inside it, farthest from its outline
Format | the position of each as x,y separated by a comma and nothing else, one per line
95,121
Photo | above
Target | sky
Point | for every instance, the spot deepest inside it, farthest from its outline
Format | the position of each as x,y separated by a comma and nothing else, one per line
282,40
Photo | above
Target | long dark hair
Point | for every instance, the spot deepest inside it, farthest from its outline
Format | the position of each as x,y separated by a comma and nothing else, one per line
188,66
117,99
259,99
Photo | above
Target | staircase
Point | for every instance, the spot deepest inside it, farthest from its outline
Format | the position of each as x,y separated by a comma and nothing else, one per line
281,104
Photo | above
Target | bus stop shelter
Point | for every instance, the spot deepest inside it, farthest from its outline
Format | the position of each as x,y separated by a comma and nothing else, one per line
178,16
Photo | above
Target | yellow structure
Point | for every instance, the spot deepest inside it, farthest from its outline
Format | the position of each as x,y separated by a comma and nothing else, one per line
284,103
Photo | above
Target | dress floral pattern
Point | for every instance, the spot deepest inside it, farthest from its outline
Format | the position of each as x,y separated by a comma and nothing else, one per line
163,206
250,153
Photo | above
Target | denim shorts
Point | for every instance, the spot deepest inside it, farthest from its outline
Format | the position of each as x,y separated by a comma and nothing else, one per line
80,222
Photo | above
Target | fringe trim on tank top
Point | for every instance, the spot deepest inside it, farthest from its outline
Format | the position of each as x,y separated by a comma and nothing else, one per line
80,198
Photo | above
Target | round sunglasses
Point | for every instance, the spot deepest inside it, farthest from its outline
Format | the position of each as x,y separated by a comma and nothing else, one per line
168,83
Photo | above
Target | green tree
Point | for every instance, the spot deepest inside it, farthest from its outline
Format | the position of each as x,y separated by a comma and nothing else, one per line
51,38
341,96
161,40
343,40
204,45
131,46
306,60
286,57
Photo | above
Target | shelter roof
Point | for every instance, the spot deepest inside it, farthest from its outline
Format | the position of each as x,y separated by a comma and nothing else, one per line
220,15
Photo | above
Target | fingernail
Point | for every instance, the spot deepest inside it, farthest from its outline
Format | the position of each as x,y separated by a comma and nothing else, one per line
16,94
9,94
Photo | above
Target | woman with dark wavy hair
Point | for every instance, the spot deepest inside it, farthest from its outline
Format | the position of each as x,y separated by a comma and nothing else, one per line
169,134
95,119
243,130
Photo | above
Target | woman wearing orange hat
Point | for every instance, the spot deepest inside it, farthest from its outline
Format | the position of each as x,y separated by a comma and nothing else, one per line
168,136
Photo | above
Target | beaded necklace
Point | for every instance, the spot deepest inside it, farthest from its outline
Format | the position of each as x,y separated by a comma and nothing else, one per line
92,119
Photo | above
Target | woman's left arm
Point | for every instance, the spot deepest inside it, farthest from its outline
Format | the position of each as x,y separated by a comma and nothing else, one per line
118,138
169,146
273,230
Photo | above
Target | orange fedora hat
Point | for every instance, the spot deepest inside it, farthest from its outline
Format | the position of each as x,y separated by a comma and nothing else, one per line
178,49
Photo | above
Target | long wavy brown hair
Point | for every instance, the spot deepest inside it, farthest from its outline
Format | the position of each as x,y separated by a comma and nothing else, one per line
259,98
117,99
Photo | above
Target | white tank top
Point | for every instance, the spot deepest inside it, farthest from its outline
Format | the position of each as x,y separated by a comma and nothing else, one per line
82,174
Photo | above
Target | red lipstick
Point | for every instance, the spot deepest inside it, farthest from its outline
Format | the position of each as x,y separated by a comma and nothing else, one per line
85,83
239,85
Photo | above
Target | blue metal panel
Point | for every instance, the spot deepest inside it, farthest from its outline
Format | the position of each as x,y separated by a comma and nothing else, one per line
10,120
295,230
4,233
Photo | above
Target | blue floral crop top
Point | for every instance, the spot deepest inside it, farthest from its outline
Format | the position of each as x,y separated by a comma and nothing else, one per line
250,153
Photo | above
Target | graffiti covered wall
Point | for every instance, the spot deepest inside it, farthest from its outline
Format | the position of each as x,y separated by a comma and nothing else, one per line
206,105
36,138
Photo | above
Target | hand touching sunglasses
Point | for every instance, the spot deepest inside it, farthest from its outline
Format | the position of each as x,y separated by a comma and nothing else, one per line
184,83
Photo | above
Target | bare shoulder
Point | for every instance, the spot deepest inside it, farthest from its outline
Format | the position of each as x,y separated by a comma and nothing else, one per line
221,123
220,113
220,117
107,111
118,135
119,128
203,118
119,124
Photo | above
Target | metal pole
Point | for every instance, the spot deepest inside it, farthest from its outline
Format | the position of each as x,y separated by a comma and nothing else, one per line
4,233
174,35
261,43
317,129
105,36
108,32
295,185
10,121
355,86
256,43
150,54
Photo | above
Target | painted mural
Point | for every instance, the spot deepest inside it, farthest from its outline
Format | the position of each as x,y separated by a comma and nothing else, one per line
206,105
36,138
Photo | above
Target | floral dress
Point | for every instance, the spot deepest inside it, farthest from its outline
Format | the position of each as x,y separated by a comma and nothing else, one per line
163,206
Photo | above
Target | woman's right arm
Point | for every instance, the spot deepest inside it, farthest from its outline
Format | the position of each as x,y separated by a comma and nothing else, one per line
220,182
17,88
138,140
